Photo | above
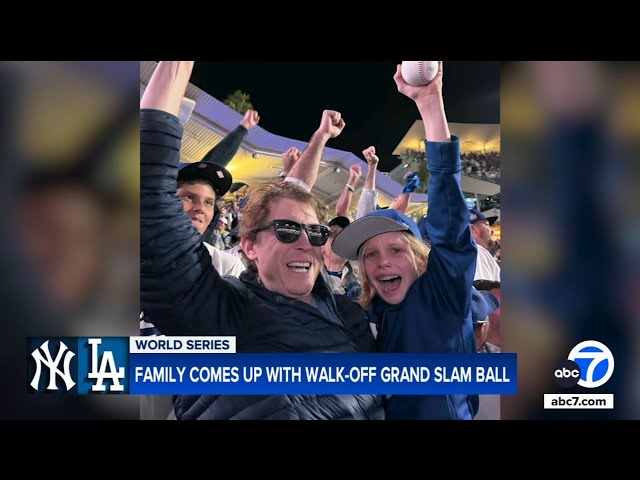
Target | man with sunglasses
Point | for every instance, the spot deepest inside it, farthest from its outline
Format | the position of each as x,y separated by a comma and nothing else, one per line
279,304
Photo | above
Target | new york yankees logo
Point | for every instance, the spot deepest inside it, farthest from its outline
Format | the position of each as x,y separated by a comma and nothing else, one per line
64,355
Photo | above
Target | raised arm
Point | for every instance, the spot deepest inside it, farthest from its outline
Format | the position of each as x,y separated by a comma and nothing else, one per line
224,151
369,196
453,255
401,202
344,202
372,161
305,171
430,104
289,159
179,288
167,87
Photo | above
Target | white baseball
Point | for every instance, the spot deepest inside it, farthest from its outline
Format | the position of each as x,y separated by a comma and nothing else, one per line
419,73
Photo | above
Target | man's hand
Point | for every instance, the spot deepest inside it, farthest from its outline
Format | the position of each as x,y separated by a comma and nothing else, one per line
331,124
251,119
370,156
289,158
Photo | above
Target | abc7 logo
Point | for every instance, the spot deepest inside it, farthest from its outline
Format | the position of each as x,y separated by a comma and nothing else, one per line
596,358
567,374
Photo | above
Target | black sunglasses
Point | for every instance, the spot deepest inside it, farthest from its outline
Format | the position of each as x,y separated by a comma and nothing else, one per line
288,231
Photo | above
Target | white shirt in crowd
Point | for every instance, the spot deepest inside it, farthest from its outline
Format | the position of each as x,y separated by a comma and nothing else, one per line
486,268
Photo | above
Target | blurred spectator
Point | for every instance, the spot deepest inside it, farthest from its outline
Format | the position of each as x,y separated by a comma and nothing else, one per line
565,282
70,220
63,223
221,237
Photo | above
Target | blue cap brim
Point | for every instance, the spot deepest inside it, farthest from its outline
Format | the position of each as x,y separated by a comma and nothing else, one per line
348,242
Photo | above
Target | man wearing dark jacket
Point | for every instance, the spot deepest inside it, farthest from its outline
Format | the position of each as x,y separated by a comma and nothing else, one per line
280,304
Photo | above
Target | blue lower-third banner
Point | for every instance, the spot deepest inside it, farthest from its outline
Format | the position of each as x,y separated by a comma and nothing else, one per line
322,373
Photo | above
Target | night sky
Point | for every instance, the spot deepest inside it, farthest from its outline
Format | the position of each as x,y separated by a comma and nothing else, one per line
290,97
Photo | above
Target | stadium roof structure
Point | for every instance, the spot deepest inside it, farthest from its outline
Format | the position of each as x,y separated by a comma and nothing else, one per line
474,137
259,158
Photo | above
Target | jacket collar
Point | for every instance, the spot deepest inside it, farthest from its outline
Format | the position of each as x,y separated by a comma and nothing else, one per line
320,288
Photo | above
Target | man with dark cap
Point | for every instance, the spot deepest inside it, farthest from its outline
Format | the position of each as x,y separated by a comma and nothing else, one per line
199,184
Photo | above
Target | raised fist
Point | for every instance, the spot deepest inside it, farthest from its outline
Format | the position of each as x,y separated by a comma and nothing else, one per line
251,119
370,156
332,123
289,158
